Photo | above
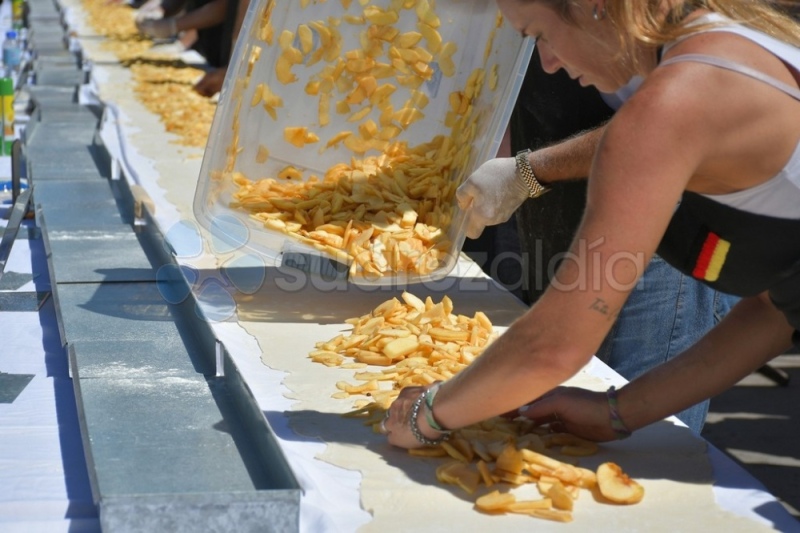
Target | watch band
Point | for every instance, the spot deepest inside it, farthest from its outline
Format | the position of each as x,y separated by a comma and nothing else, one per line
525,172
413,423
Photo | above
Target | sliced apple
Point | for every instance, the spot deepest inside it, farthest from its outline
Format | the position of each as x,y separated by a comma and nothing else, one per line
560,496
461,474
616,486
495,501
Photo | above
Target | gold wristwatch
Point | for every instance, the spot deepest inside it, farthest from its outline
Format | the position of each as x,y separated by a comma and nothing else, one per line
525,172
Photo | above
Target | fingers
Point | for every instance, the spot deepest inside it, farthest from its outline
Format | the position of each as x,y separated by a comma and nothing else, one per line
397,419
202,87
465,195
485,198
474,226
546,408
575,410
383,429
211,83
542,411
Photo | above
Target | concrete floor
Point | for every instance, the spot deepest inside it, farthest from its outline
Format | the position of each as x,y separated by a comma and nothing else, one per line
758,424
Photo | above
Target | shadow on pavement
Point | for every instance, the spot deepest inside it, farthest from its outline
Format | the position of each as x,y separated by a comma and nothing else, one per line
757,423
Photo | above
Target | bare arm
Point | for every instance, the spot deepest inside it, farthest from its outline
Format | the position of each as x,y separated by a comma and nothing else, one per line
208,15
172,7
212,82
241,11
750,335
494,191
567,160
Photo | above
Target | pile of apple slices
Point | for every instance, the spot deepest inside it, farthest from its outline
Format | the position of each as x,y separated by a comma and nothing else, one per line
614,485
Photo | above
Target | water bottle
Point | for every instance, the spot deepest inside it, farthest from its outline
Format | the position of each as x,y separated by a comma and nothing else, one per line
12,52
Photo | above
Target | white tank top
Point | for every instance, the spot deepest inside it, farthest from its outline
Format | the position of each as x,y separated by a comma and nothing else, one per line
780,195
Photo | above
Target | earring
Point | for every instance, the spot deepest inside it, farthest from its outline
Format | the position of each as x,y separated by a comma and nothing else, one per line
598,15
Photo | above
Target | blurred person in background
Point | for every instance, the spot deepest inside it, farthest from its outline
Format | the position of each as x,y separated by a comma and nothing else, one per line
217,23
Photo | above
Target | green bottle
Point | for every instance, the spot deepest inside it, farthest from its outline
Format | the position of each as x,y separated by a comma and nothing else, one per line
7,114
17,14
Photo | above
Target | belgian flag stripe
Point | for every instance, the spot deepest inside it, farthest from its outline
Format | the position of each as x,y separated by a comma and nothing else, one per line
712,257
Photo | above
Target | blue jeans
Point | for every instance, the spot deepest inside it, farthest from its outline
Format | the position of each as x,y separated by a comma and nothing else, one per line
665,314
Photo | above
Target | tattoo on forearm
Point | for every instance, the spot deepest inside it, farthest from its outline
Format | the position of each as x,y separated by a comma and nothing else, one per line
602,307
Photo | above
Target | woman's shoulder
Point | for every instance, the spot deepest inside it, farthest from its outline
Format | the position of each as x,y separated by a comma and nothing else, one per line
738,44
669,93
675,108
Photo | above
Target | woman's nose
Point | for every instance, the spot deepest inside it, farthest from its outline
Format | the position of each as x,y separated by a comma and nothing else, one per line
550,63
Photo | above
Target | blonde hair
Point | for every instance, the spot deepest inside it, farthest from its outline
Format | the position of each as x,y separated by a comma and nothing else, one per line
644,20
652,23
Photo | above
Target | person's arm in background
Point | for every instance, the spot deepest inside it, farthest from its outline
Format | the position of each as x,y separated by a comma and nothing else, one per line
172,7
211,83
208,15
241,11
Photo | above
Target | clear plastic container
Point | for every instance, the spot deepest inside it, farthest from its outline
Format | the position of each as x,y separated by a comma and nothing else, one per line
343,132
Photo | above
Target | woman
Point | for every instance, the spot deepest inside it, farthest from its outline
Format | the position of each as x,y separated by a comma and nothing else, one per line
713,129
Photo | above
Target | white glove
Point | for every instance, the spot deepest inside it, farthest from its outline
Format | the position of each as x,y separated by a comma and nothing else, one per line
491,194
158,29
154,14
150,10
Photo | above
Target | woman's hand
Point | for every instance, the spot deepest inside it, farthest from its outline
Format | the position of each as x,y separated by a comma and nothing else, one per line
397,427
492,193
398,417
573,410
211,83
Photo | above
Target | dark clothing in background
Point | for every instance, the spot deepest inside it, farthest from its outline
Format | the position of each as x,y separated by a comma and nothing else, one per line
550,108
214,43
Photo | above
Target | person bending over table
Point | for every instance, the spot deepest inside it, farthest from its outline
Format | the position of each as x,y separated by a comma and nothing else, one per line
667,311
702,163
217,23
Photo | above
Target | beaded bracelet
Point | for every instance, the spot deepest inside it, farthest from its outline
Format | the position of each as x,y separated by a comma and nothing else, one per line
429,397
617,424
414,423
